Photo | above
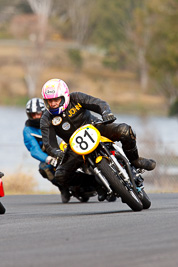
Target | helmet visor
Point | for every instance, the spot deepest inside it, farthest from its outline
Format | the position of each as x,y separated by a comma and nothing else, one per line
35,115
54,104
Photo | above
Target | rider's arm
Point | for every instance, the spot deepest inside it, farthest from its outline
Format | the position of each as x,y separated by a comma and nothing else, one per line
33,146
49,135
91,103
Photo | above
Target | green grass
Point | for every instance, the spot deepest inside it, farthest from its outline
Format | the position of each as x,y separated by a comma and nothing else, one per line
14,101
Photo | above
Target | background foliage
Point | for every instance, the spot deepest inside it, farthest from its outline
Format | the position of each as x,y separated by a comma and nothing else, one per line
137,36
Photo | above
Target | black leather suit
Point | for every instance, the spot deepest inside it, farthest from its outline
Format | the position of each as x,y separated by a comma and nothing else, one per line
78,114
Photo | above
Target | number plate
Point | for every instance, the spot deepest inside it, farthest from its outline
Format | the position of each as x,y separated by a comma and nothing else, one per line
85,139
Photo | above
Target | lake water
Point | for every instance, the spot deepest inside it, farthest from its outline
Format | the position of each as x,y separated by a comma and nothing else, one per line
14,155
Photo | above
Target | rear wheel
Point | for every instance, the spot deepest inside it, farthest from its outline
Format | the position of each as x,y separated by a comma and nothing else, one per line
83,199
128,197
111,198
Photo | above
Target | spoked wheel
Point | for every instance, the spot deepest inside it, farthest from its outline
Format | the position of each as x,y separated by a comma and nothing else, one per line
128,197
2,209
144,199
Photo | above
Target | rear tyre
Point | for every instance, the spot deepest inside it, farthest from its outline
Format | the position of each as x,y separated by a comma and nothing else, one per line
2,209
111,198
84,199
128,197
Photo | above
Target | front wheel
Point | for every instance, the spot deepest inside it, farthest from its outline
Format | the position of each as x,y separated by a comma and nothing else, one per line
128,196
144,199
2,209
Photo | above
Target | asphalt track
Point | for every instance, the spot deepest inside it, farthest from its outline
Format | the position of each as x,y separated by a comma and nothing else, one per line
38,230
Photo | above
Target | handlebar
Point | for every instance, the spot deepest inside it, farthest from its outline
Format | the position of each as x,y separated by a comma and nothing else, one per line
103,122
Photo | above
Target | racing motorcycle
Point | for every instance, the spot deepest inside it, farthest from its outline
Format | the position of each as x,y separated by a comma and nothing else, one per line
82,192
107,161
2,209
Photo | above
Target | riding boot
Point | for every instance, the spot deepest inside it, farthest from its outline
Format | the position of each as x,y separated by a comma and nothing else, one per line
102,194
138,162
65,195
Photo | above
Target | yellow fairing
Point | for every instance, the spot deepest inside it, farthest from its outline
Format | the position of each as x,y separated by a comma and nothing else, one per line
105,139
62,145
91,146
98,159
102,139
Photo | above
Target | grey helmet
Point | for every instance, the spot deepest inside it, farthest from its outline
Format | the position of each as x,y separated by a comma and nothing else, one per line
34,105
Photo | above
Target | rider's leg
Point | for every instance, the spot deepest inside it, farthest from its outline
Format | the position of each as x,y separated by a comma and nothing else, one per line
47,171
124,133
65,173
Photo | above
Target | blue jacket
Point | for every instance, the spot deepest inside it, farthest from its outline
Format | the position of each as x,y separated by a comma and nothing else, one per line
33,142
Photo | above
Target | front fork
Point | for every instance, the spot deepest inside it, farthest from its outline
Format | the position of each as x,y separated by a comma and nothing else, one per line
127,176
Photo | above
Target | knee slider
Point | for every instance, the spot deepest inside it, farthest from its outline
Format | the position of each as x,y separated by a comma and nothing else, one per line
127,132
61,176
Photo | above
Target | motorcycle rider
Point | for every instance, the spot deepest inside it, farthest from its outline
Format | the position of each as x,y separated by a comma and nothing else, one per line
33,139
67,112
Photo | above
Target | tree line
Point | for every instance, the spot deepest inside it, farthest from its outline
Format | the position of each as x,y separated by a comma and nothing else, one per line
136,35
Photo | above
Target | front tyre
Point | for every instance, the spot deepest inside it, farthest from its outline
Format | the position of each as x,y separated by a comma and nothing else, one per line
144,199
128,197
2,209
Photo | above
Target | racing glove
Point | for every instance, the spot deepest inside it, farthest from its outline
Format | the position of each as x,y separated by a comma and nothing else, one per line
108,116
60,154
51,161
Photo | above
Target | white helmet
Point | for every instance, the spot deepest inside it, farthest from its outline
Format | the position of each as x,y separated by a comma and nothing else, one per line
55,88
34,105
